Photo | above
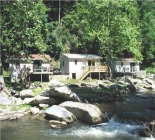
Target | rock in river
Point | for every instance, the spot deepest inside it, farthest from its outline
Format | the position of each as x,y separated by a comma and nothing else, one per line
60,113
87,113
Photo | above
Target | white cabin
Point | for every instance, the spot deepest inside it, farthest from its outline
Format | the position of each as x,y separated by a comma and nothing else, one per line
74,64
127,65
36,63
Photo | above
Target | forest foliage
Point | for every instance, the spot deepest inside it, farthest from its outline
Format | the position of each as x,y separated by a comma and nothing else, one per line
107,28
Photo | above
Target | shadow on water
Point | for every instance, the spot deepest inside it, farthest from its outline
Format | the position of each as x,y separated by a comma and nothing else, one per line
30,129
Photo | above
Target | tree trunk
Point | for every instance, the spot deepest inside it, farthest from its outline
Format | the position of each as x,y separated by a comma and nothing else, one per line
2,82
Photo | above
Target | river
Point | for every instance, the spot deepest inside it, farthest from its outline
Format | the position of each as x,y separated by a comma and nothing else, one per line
34,128
28,128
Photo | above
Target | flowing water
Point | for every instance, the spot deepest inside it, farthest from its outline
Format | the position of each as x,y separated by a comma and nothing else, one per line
33,129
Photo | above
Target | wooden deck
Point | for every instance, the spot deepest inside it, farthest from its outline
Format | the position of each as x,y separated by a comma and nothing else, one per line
41,74
94,69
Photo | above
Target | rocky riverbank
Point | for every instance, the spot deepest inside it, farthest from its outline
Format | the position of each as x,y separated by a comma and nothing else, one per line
91,102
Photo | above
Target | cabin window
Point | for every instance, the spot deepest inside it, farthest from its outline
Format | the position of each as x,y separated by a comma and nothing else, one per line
75,62
89,62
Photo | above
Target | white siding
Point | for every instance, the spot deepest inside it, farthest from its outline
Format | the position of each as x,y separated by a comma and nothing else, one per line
64,65
126,66
30,65
78,69
70,67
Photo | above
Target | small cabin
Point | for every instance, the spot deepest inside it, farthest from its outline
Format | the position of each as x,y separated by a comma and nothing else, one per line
39,65
78,66
125,65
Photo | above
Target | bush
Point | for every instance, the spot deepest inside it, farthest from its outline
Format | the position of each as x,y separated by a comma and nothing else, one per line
150,70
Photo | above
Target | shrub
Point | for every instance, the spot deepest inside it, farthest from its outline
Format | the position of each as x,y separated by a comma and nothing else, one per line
150,70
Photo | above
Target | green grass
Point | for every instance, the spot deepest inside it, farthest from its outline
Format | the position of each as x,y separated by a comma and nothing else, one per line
6,73
37,91
70,80
16,107
20,86
20,107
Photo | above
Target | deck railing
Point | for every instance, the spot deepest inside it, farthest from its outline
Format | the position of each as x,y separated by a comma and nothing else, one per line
89,69
42,70
96,68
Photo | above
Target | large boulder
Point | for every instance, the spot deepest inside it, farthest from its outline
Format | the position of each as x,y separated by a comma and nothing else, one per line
60,113
87,113
5,101
131,88
27,93
55,83
17,101
63,93
149,81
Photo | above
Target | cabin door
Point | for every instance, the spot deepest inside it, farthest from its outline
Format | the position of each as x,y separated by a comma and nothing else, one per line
74,75
132,67
91,63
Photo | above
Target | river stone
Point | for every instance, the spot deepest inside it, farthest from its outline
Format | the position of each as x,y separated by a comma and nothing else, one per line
130,81
28,100
34,110
5,101
57,124
87,113
131,88
55,83
27,93
17,101
43,105
149,81
60,113
64,93
44,100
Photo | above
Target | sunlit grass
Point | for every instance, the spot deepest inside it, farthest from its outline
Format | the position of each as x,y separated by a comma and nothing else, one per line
20,107
37,91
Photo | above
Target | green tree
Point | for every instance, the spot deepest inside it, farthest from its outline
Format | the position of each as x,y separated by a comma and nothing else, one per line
148,31
59,37
109,28
23,28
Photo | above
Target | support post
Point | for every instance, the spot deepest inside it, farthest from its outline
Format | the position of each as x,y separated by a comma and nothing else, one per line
41,74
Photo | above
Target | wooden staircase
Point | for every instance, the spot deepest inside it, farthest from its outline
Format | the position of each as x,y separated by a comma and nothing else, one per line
90,69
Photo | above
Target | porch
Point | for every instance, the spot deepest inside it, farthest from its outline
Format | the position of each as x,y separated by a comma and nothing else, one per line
41,74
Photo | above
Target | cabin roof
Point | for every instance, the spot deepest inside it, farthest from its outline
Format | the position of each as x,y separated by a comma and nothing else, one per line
44,57
82,56
127,59
40,57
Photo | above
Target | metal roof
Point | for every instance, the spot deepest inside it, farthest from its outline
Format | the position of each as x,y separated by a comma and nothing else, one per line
81,56
127,59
